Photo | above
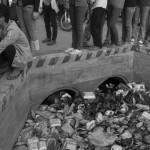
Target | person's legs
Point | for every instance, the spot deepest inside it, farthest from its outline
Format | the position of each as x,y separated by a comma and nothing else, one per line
9,54
72,17
20,17
97,23
87,30
53,21
123,16
86,34
79,19
31,28
30,23
2,59
46,14
147,33
108,36
144,12
129,12
113,29
147,22
135,22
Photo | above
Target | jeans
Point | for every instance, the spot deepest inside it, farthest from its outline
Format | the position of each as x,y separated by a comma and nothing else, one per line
8,55
147,32
97,24
123,25
108,36
129,12
27,24
87,30
113,15
77,16
50,20
141,12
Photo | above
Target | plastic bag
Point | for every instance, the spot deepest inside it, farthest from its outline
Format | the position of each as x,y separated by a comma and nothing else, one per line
66,127
100,138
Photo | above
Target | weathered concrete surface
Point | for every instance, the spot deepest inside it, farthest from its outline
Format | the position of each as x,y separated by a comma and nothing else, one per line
84,75
15,106
141,68
47,74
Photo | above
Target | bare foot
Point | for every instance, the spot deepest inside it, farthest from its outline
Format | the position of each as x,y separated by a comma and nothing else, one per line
14,74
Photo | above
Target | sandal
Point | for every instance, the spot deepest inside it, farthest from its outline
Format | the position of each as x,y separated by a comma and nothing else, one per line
14,74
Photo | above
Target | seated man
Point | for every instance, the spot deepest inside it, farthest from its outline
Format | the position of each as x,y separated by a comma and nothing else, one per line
14,46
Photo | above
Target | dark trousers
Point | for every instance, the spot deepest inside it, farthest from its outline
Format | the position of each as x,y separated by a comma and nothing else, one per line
147,33
8,55
87,30
113,15
124,35
97,24
50,20
108,37
77,15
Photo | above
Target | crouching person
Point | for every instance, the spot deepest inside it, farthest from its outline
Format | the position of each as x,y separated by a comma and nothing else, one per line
14,46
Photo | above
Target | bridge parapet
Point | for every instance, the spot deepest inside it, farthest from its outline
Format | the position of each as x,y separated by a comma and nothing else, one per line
8,88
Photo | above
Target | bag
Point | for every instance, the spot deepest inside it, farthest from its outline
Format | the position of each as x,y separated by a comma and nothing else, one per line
13,13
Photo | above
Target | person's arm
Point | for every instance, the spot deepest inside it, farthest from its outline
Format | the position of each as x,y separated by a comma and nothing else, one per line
10,38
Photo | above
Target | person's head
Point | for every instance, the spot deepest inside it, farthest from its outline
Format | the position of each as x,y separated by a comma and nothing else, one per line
4,15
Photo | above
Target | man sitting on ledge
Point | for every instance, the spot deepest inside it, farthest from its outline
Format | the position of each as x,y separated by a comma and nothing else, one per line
14,46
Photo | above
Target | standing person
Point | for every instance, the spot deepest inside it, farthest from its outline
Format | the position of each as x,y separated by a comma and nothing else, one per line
87,30
114,10
50,10
129,10
77,14
142,12
97,21
27,13
14,46
147,33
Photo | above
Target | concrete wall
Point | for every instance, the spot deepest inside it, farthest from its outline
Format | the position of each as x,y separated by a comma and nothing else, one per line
47,74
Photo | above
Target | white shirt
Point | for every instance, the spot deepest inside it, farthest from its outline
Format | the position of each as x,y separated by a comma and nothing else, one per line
100,3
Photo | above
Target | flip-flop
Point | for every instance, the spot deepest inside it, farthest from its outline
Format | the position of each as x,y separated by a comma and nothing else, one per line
14,77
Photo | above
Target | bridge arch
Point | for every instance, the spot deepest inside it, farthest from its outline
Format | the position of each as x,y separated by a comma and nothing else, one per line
116,80
55,93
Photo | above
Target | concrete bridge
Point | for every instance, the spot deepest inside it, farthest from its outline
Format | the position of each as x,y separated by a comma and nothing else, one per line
47,74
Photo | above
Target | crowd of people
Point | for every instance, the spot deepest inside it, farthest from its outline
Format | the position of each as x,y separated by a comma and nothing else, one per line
17,43
135,22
